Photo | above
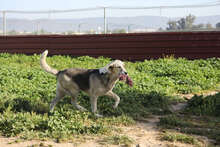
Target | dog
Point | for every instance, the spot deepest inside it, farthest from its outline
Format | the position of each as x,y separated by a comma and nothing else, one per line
94,82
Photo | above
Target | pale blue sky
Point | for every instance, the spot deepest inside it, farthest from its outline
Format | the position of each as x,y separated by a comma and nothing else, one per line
74,4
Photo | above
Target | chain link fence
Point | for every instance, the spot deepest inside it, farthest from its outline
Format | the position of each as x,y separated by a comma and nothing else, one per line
102,20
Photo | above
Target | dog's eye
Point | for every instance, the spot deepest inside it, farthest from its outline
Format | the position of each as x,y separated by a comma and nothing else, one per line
111,67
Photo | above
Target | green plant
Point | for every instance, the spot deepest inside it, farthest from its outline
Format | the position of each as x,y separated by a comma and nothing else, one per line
118,140
204,105
173,137
26,91
204,126
174,121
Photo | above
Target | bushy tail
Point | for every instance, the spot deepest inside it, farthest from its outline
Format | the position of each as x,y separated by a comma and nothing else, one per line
44,64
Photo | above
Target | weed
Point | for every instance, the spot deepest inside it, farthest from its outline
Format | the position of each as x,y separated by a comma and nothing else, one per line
173,137
174,121
40,145
118,140
204,126
204,105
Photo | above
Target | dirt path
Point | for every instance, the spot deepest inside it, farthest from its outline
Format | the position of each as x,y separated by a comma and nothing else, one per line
145,134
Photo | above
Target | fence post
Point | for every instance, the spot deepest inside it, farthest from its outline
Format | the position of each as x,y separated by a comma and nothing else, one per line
4,23
104,21
160,11
129,27
79,28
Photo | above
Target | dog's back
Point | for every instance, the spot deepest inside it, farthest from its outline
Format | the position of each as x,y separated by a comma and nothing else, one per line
79,76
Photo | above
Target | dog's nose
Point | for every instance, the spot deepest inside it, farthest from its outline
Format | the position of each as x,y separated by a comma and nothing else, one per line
125,73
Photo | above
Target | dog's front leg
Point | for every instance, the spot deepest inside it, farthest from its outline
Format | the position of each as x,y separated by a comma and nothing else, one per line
115,97
93,100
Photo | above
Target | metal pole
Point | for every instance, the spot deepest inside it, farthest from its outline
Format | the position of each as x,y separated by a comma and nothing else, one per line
104,21
128,31
107,27
160,11
129,27
37,28
79,28
4,23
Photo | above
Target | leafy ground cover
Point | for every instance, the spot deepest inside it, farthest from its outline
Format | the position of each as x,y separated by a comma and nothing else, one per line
204,105
200,117
173,137
26,91
117,140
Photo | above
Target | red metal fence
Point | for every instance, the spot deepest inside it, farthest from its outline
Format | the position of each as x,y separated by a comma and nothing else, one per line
140,46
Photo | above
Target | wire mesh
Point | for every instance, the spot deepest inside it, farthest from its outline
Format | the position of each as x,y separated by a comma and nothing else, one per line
200,17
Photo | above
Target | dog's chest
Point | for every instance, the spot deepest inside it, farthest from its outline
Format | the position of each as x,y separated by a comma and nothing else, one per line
102,90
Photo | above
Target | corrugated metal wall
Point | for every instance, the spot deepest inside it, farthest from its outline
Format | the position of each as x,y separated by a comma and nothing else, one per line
139,46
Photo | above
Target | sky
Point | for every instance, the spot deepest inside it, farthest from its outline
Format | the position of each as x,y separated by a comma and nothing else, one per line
32,5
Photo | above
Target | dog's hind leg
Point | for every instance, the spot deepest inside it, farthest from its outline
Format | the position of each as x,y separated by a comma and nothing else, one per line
74,102
59,95
115,97
76,105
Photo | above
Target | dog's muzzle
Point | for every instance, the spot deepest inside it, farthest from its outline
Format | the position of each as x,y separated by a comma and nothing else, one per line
125,73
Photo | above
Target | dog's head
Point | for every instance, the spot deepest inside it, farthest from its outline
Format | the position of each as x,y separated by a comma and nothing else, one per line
116,68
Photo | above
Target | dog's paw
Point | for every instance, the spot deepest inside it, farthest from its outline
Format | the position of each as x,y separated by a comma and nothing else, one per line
115,105
80,108
98,115
50,113
83,109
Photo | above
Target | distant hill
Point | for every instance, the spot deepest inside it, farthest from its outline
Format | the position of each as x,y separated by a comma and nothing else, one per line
62,25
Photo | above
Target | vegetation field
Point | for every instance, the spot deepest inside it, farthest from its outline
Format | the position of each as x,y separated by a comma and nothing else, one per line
26,91
200,117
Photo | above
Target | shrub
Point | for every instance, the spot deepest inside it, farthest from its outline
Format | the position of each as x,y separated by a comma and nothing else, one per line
204,105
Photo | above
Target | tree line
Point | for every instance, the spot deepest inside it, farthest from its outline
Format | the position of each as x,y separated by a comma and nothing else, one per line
187,23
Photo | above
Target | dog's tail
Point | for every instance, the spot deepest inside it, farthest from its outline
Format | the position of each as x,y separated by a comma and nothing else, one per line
44,64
